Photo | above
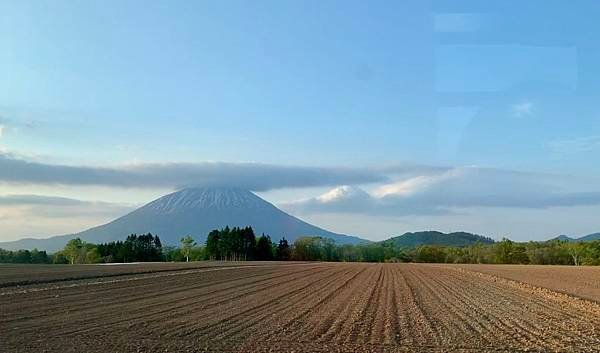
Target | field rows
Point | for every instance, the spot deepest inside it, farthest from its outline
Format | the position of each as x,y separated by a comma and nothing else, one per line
296,307
582,281
19,274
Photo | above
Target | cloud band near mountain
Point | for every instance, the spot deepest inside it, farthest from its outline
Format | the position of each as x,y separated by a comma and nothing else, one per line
252,176
453,189
396,190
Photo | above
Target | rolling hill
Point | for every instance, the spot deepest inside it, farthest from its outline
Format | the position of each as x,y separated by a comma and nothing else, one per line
409,240
194,211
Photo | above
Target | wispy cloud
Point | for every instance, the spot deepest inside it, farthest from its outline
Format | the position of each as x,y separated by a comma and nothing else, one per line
574,145
522,109
40,216
33,206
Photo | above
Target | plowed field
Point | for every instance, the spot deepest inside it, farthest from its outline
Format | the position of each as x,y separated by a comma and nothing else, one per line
299,307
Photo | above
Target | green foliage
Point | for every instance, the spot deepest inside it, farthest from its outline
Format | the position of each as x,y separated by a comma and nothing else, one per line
283,251
76,251
238,244
430,253
187,243
553,252
264,249
73,251
509,252
136,248
309,249
503,252
591,255
324,249
24,257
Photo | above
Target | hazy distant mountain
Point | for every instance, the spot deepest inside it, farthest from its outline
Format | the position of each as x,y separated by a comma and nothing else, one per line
589,237
194,211
410,240
563,237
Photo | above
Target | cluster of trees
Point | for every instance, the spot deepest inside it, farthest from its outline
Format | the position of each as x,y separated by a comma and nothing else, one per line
135,248
240,244
25,257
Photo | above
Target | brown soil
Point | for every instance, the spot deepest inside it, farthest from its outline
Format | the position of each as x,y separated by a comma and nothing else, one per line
296,307
582,281
18,274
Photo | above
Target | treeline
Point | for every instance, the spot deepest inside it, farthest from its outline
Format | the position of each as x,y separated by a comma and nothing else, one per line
135,248
241,244
553,252
25,257
227,244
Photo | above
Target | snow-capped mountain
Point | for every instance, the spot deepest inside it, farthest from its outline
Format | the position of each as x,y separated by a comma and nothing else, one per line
194,211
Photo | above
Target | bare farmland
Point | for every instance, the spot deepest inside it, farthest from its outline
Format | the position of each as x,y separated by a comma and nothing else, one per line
582,281
300,307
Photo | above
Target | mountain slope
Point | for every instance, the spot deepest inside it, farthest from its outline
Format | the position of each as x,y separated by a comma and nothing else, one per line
409,240
194,211
585,238
590,237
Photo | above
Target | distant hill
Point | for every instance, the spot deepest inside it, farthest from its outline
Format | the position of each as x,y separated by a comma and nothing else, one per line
589,237
563,237
194,211
409,240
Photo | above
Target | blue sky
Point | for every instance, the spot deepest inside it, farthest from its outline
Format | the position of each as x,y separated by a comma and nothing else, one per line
459,87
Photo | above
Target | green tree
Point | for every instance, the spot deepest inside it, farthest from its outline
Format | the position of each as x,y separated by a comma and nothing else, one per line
92,256
576,251
187,243
72,250
212,244
264,250
283,251
430,253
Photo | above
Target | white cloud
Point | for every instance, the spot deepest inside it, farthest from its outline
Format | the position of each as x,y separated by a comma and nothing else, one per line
343,192
409,187
522,109
1,130
449,191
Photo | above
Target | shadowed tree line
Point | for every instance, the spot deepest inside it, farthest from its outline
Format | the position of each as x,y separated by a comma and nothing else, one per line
241,244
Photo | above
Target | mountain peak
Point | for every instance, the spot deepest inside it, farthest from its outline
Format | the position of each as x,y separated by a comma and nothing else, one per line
195,211
563,237
216,198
